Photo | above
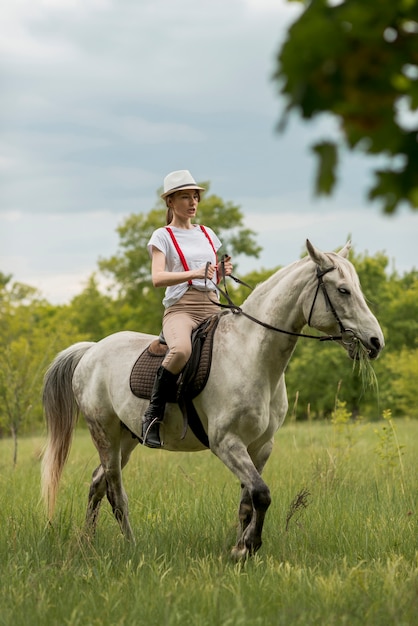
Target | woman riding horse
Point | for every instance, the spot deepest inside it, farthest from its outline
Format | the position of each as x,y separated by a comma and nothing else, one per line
184,261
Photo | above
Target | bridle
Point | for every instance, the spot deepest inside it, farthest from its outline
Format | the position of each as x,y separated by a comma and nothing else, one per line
347,336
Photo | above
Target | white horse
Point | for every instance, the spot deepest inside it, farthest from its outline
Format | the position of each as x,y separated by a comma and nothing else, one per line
242,405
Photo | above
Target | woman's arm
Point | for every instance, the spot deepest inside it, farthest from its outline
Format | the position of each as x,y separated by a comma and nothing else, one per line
162,278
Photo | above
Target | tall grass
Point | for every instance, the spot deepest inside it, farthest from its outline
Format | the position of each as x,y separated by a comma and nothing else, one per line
348,556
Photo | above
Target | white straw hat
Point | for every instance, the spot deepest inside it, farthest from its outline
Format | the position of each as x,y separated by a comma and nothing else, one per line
181,179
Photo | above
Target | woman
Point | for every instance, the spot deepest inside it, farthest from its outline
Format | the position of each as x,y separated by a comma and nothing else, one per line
184,261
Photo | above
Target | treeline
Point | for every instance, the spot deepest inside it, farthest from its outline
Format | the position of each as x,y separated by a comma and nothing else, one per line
32,330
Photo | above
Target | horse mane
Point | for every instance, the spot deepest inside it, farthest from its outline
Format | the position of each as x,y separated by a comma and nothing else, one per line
277,276
342,265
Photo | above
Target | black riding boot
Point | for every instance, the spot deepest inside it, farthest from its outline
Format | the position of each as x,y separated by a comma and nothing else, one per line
154,414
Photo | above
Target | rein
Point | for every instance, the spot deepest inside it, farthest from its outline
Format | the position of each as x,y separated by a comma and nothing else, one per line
347,336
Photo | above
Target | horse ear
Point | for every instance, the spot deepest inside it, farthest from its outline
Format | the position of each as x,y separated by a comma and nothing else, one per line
316,255
344,251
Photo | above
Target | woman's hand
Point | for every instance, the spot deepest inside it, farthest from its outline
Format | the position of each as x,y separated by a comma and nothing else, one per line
225,267
202,272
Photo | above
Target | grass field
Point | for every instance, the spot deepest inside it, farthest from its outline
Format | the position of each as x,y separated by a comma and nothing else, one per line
349,554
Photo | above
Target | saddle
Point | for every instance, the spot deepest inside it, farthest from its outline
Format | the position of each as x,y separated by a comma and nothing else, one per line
192,379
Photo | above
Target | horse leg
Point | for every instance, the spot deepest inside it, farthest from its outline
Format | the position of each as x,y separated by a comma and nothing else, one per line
234,454
96,492
98,485
245,511
250,539
114,451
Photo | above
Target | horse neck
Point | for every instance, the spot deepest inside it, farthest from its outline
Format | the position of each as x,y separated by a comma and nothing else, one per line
279,302
279,299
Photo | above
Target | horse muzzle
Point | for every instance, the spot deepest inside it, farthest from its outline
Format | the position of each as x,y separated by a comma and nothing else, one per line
372,347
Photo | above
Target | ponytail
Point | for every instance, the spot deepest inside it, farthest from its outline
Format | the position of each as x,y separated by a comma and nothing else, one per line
169,215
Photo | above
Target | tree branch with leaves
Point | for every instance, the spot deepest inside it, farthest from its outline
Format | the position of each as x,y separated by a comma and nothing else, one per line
358,61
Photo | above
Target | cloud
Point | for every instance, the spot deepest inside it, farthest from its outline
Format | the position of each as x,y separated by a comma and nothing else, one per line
97,87
282,235
101,98
185,53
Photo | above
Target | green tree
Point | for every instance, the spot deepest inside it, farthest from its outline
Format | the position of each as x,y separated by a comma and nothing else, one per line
239,292
401,391
19,371
31,332
402,313
358,61
91,311
313,377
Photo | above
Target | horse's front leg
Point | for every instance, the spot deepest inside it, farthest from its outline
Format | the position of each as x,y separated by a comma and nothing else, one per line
232,451
251,538
246,508
245,511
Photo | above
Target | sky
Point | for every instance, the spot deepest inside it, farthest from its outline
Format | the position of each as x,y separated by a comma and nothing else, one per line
102,98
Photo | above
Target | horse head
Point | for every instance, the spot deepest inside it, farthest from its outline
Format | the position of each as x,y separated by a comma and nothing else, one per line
338,304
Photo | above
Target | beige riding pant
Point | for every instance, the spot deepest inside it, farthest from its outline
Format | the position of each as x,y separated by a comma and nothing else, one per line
178,322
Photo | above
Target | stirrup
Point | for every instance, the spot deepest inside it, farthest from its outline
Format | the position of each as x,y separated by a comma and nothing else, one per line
152,423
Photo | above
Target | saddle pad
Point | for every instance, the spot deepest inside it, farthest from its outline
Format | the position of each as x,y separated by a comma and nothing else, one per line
194,376
144,371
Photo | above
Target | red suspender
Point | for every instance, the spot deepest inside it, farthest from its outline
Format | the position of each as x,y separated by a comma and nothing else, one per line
180,253
203,229
213,247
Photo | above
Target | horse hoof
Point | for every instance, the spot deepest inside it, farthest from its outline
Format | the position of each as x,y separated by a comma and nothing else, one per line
240,553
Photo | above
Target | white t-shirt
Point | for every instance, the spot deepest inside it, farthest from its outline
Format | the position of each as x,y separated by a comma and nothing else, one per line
196,250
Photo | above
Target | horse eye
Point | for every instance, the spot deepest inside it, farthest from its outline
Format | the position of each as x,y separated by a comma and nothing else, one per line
344,290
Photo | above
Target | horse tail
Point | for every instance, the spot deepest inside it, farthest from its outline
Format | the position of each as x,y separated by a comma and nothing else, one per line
61,415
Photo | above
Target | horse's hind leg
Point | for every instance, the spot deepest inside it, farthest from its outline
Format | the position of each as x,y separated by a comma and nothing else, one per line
114,452
96,493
